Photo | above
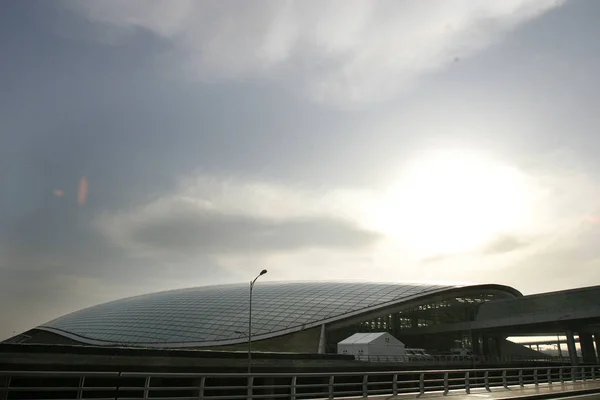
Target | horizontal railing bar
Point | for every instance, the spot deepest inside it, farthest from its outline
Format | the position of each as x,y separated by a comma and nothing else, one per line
163,388
112,398
316,374
66,388
320,394
307,385
430,388
240,387
46,389
272,375
192,398
456,387
407,390
344,384
431,382
60,373
267,396
379,391
409,381
357,393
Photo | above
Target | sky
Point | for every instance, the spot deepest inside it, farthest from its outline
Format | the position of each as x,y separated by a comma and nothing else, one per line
154,145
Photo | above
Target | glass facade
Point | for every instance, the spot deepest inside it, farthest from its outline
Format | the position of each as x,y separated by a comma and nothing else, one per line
409,324
205,316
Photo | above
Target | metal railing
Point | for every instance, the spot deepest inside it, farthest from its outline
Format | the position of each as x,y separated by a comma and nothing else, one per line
457,359
38,385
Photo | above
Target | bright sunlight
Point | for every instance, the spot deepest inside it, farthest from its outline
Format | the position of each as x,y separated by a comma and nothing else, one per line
453,201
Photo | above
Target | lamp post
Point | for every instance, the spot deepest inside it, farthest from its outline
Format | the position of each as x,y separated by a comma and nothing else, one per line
264,271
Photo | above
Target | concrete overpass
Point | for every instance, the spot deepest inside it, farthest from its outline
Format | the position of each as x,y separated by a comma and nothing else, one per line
568,313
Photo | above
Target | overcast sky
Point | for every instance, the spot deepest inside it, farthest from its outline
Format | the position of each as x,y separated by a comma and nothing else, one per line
150,145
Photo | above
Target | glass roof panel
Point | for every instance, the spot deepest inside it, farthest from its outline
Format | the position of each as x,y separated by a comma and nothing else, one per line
214,313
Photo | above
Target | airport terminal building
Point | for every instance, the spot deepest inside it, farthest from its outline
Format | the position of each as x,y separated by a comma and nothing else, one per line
312,317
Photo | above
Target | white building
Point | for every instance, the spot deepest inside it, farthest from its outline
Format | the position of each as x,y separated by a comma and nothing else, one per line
374,346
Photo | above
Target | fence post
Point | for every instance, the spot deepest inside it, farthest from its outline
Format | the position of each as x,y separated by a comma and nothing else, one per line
560,375
486,381
535,377
293,388
6,387
549,374
421,384
249,389
147,388
504,380
467,383
583,377
395,385
593,373
118,386
331,387
365,385
80,388
201,388
521,377
446,388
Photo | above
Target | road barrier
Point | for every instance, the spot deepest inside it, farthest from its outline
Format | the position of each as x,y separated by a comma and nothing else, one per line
177,386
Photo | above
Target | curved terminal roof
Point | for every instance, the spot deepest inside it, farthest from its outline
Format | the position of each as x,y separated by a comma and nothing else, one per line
218,315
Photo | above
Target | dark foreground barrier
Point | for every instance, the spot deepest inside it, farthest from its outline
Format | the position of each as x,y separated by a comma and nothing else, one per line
40,385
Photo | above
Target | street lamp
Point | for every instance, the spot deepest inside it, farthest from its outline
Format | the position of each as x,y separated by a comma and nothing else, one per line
264,271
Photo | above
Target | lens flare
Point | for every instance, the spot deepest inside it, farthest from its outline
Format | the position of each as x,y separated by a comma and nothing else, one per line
83,191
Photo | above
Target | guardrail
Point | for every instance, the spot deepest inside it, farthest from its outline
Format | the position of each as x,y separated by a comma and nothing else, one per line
177,386
456,359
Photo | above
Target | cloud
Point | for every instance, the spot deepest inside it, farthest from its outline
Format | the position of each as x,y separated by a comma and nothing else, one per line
499,245
207,232
207,216
570,262
340,52
505,244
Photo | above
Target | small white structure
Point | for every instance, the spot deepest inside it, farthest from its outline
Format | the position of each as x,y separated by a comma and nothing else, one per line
374,346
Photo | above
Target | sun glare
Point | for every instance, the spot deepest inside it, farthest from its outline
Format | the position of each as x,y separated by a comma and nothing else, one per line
452,201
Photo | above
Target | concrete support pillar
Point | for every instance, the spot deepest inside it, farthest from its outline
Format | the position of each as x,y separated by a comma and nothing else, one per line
597,340
393,325
572,348
537,348
587,348
322,341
